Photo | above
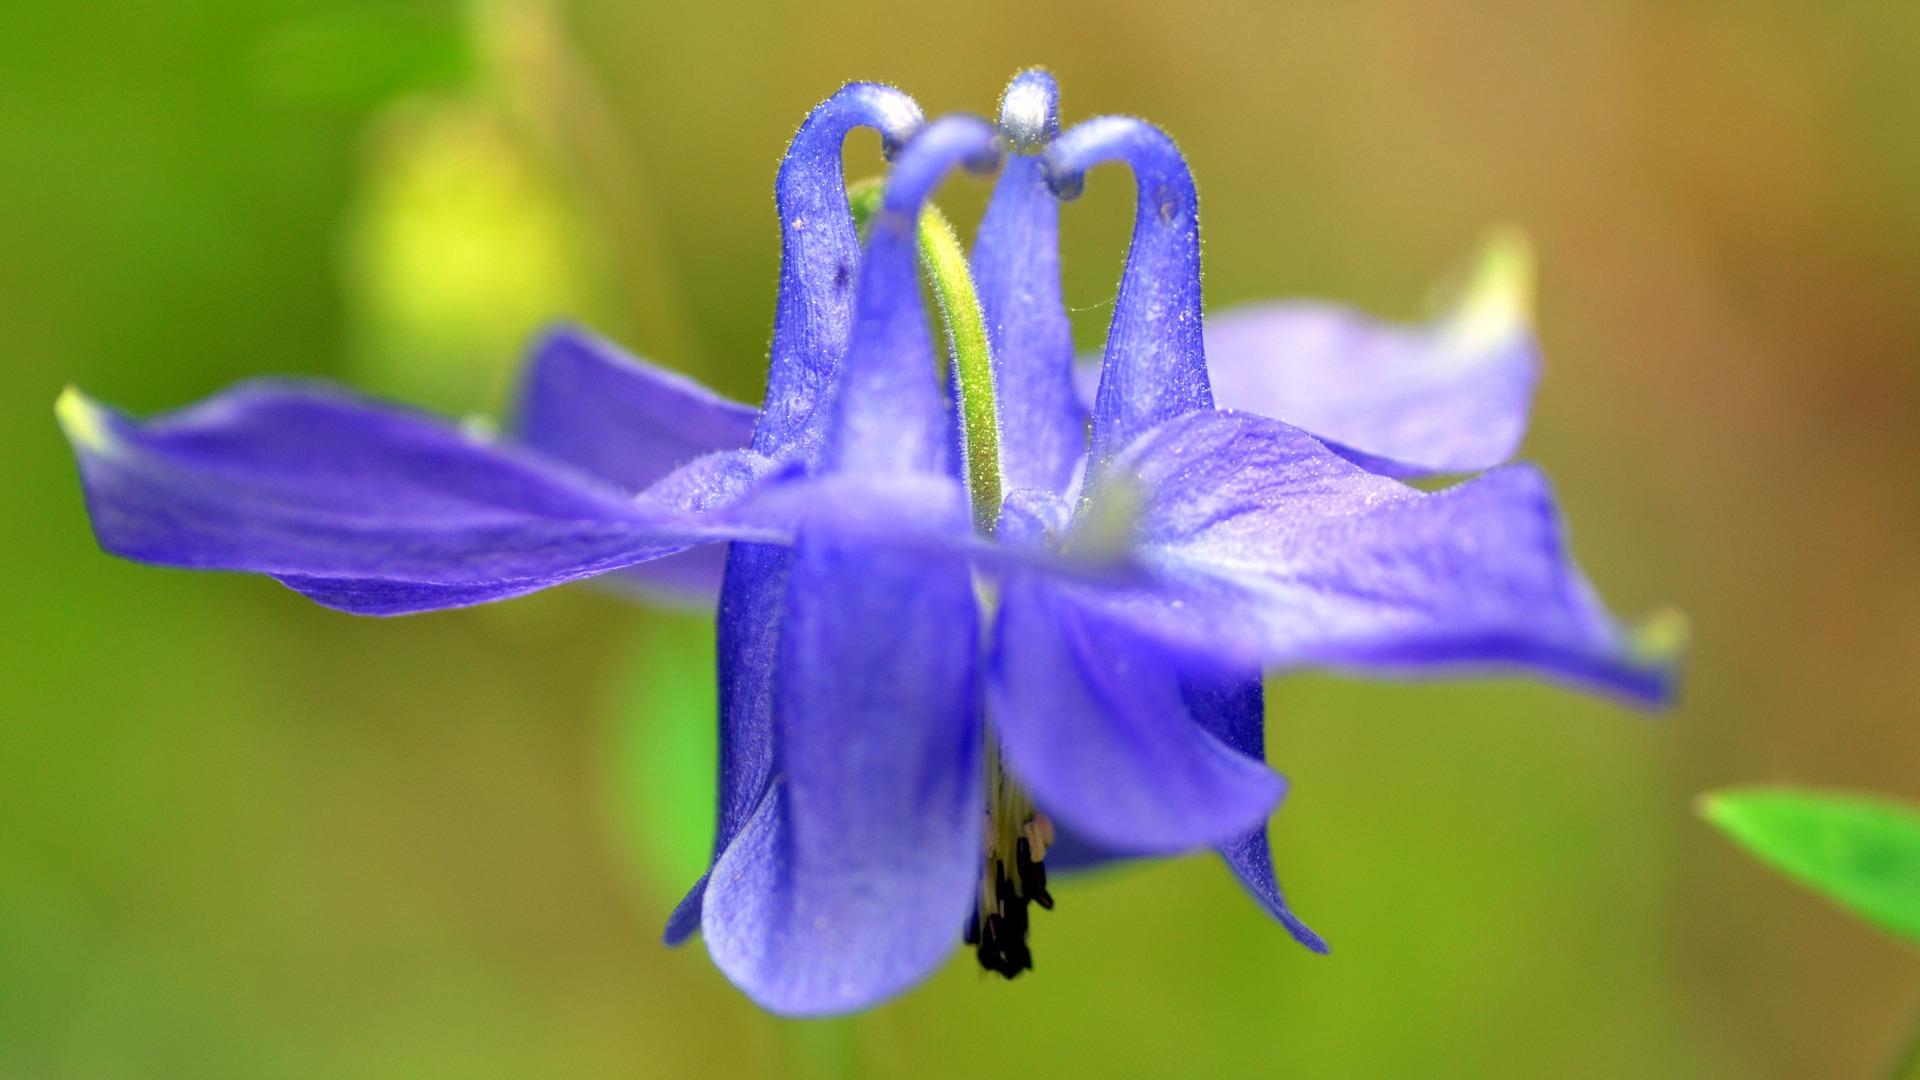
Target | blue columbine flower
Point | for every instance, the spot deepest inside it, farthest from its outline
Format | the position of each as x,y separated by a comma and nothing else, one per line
968,627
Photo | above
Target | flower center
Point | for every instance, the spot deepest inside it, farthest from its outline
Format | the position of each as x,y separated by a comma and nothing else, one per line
1014,875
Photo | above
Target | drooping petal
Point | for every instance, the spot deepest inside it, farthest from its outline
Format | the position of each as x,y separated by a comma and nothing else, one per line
1092,721
1232,708
1228,707
1156,364
1251,860
888,417
813,319
1270,548
1451,396
913,513
1037,519
1016,269
853,879
371,508
853,883
902,513
586,402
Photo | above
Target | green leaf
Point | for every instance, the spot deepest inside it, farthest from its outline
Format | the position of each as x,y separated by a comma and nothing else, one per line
1861,851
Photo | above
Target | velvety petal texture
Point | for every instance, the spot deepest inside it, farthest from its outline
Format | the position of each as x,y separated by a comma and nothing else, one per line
587,403
371,508
1270,548
890,416
1232,707
1227,710
1092,722
813,319
820,263
1451,396
852,882
853,877
1156,364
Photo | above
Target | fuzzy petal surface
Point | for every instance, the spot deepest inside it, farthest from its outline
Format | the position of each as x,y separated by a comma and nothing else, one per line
1450,397
1092,721
852,879
372,508
1268,548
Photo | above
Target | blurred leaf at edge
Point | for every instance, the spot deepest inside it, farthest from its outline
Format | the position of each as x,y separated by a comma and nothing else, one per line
1860,851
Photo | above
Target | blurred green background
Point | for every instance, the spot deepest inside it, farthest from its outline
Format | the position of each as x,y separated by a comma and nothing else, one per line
243,836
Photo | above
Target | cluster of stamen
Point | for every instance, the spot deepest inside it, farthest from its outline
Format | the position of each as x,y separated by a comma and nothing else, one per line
1015,876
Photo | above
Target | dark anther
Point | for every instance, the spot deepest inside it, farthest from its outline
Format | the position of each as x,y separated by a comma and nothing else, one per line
1036,887
1033,876
1001,937
989,956
998,931
1013,908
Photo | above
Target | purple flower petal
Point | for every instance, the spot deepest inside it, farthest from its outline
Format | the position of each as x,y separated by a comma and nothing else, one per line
371,508
1156,364
1093,723
1230,709
1233,709
747,627
921,514
1272,549
888,415
589,404
689,580
1451,396
1016,269
819,263
1037,521
853,878
1448,397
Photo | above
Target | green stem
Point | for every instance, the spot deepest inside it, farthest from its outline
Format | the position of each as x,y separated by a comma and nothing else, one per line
945,263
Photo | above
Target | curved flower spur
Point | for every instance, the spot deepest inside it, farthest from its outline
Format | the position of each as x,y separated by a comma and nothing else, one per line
1142,567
